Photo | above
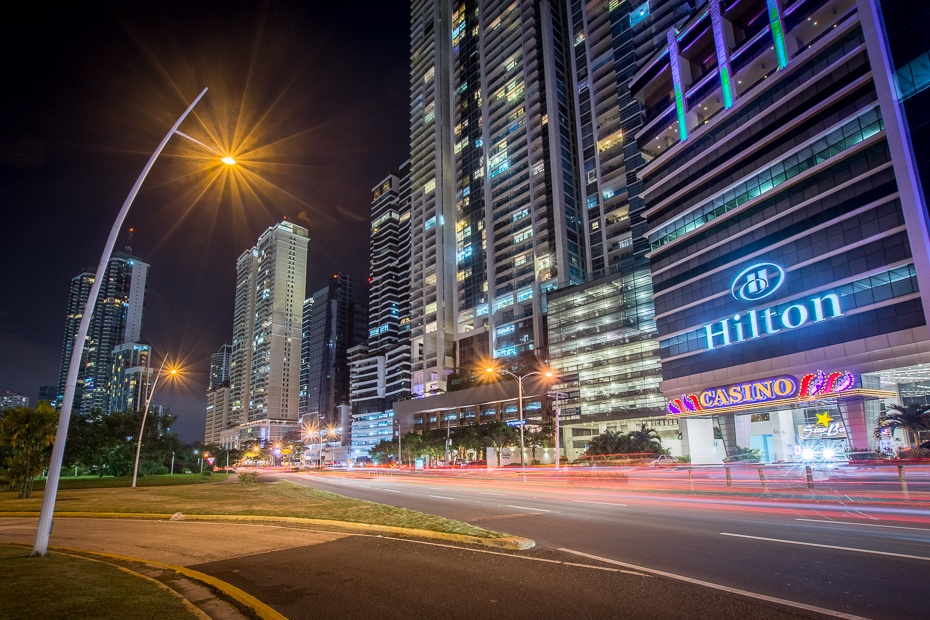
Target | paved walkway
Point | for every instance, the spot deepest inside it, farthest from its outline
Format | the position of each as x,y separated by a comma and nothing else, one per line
179,543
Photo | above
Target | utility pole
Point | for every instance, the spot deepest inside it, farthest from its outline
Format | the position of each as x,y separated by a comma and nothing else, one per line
172,464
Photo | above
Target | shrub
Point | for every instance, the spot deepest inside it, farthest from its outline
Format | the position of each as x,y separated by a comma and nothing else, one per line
161,471
915,453
207,472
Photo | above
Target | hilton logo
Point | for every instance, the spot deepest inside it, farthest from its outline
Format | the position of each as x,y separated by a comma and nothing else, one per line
754,283
758,281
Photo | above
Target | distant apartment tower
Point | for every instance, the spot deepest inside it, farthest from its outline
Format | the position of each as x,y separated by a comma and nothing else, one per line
48,394
117,320
218,395
336,324
219,366
131,377
12,400
305,358
380,369
497,210
267,318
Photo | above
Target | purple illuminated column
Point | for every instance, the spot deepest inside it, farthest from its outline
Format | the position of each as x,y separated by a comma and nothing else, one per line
675,63
723,54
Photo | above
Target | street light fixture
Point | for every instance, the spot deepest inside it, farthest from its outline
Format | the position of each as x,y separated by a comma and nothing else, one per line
172,371
44,528
520,379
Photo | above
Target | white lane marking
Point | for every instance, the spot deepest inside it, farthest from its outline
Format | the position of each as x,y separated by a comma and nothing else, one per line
527,508
441,497
391,490
807,544
604,503
717,586
486,493
897,527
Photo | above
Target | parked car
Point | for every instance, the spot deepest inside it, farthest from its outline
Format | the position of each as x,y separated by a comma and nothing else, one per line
664,459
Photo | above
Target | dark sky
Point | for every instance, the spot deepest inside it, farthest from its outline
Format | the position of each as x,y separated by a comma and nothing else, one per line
311,96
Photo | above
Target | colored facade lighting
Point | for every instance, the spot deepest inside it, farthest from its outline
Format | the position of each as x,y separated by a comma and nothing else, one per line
723,53
675,63
778,32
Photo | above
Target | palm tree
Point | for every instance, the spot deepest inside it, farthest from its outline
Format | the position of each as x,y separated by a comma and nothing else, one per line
645,440
913,418
608,442
29,433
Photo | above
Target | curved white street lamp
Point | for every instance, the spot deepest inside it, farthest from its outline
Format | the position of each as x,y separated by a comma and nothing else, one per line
173,371
54,469
520,402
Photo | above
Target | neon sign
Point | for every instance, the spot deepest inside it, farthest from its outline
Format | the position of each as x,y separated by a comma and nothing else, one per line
754,283
764,390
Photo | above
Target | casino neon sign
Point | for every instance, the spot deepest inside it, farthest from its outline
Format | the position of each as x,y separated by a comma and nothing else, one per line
764,390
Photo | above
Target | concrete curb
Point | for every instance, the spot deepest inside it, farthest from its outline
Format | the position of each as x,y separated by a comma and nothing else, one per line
511,543
190,606
262,610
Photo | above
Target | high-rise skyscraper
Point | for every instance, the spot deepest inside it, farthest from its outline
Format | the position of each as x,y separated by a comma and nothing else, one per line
267,318
380,369
494,148
219,366
131,377
117,320
337,322
305,358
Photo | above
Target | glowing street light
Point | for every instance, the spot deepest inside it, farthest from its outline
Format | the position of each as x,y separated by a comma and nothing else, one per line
58,450
171,371
229,161
520,379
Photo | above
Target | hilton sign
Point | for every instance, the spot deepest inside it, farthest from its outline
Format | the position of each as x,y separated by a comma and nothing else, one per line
755,283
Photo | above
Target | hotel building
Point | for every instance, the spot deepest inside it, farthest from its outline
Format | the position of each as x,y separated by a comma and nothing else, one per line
786,226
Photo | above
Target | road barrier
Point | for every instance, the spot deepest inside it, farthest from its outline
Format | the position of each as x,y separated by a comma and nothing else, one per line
810,478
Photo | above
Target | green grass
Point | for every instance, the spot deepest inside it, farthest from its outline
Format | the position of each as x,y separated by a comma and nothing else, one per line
107,482
62,587
283,499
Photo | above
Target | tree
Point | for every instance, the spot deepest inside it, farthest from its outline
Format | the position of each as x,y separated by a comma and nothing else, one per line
645,440
29,433
384,451
912,418
410,446
540,437
607,443
499,436
467,439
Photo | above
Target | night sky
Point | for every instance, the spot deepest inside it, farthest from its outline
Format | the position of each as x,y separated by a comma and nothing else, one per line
313,97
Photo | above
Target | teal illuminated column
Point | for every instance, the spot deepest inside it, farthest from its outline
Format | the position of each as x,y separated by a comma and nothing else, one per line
778,32
723,54
675,62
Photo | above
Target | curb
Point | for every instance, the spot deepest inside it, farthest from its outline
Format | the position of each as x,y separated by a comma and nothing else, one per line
262,610
511,543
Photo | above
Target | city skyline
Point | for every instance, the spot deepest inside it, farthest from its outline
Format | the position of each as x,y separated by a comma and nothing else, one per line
72,147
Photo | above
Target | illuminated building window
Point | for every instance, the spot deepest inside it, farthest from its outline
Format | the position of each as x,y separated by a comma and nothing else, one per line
430,308
639,14
429,74
430,186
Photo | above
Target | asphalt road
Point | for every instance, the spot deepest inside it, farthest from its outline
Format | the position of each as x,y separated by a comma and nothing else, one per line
872,562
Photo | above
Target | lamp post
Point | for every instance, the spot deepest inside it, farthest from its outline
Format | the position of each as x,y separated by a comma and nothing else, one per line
558,410
58,450
520,402
173,371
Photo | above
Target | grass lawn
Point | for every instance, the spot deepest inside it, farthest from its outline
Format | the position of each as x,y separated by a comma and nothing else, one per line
282,499
95,482
60,586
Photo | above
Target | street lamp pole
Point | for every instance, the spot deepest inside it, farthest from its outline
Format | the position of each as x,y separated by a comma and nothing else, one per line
520,404
558,411
135,469
58,450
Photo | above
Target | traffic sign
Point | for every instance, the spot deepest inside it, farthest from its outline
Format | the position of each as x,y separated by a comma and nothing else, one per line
211,459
